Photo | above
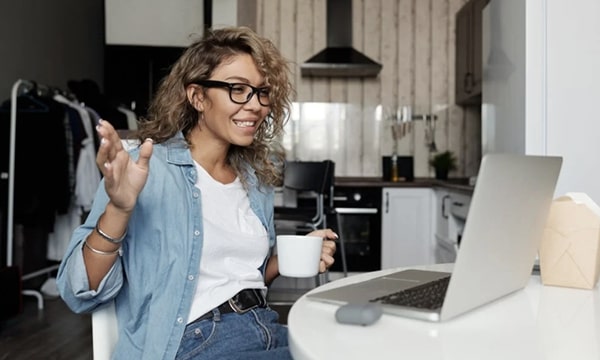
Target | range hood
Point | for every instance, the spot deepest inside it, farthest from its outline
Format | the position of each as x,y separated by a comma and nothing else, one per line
339,59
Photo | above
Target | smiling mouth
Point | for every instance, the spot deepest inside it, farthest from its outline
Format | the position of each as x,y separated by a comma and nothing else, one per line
245,124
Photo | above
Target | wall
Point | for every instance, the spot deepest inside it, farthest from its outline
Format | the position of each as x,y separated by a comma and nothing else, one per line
573,55
154,22
414,41
547,101
51,42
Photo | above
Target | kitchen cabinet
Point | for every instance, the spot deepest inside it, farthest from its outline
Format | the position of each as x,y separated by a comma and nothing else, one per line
407,231
468,53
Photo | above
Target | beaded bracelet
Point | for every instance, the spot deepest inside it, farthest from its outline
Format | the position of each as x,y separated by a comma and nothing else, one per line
106,237
100,252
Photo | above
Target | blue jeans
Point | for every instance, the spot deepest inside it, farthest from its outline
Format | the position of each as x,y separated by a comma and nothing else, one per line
256,334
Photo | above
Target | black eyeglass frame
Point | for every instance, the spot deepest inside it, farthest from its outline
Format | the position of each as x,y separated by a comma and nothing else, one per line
255,90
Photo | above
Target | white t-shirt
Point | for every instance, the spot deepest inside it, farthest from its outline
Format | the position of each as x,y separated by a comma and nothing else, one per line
235,244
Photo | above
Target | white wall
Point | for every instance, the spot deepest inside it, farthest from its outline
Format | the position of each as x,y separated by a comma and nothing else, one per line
573,95
224,13
544,99
153,22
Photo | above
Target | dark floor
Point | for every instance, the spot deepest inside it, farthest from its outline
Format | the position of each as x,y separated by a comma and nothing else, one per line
56,333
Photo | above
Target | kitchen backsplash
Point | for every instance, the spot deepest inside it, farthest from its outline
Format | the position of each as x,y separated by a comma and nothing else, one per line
336,118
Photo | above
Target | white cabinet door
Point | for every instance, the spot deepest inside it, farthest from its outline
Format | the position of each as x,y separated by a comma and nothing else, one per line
407,231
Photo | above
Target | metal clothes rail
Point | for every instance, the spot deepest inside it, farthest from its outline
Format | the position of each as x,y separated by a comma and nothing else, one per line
18,86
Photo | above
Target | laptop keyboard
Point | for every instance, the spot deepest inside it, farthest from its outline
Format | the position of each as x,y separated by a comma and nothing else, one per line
426,296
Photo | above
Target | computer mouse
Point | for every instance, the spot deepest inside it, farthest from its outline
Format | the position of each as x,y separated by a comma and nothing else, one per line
358,314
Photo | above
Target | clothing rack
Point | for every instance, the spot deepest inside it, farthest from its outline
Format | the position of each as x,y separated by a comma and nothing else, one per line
18,86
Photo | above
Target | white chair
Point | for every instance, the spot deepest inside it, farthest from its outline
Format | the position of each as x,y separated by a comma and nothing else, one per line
104,332
104,320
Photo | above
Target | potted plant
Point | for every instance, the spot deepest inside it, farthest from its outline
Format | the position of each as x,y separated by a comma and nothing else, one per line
443,163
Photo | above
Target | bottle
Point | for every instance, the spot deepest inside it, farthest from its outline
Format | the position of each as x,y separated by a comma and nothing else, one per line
394,172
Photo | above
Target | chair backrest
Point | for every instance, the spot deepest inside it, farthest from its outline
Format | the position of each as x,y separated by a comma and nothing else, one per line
307,180
104,332
314,176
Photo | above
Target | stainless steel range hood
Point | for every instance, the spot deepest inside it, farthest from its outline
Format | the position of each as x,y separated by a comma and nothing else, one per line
339,59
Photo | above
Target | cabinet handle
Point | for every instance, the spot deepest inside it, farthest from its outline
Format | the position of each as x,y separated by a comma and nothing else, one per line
444,214
387,202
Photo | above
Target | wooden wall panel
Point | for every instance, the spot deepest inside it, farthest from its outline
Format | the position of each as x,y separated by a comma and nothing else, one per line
422,88
405,63
440,72
271,21
389,74
287,30
305,44
320,86
371,19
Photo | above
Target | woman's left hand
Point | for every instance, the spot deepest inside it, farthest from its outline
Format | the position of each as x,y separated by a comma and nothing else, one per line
329,247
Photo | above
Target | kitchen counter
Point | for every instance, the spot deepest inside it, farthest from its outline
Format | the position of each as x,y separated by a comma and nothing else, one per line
460,184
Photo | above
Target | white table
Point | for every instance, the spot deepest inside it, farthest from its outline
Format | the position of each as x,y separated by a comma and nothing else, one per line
539,322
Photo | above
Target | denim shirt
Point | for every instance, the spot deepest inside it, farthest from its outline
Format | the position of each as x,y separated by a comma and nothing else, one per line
154,280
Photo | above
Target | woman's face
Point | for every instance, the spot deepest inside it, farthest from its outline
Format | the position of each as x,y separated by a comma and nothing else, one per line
226,120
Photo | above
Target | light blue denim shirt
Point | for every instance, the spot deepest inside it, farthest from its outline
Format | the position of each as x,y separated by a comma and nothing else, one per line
153,283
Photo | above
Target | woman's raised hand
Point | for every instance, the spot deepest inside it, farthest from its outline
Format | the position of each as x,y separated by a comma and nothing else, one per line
124,178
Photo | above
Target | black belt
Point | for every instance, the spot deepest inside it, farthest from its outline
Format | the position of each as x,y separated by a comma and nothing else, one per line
241,302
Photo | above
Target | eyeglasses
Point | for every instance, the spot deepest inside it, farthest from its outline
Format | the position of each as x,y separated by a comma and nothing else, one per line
239,93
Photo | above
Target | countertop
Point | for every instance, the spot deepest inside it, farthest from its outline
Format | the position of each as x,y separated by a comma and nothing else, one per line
460,184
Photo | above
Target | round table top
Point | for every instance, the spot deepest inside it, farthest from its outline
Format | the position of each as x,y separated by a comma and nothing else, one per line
538,322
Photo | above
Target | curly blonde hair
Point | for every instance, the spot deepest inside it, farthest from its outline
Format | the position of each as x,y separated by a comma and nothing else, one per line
170,110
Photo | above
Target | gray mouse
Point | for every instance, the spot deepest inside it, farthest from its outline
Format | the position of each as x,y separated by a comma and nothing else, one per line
358,314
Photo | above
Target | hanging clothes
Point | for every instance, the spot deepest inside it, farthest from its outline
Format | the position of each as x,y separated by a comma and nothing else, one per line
87,175
42,186
41,174
86,179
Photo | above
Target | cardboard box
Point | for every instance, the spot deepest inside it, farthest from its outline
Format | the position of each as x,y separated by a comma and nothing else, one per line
570,248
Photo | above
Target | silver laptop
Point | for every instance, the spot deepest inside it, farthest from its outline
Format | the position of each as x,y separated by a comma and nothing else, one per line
504,226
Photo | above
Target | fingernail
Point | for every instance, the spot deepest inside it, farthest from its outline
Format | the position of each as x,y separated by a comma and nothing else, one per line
102,141
149,139
106,164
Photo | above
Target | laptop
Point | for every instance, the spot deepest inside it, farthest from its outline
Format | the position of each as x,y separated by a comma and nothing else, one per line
506,220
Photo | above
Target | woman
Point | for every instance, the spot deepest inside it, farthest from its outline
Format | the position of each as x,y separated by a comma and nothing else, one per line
180,235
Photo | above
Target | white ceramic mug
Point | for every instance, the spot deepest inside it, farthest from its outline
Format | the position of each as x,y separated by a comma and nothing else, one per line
299,255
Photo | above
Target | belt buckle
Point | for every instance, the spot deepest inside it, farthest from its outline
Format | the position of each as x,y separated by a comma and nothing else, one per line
239,308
